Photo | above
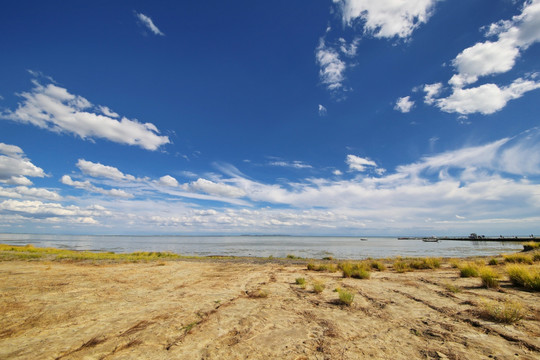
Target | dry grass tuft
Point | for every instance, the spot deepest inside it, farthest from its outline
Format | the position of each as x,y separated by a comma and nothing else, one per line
507,312
258,294
527,277
490,277
519,258
345,297
468,270
318,287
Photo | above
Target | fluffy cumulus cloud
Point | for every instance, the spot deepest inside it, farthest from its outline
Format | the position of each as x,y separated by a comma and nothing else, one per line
26,192
507,40
38,211
499,56
168,180
53,108
404,104
104,171
214,188
15,167
485,99
149,24
88,186
387,18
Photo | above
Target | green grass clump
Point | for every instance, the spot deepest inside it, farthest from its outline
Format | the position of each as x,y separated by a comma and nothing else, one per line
531,245
518,258
345,297
401,266
493,261
357,270
524,276
300,281
425,263
322,267
507,312
318,287
490,278
378,265
294,257
468,270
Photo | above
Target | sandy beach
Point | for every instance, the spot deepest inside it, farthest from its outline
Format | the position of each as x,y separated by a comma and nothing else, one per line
216,309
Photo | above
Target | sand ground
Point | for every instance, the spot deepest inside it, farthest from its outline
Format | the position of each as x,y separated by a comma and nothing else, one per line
203,310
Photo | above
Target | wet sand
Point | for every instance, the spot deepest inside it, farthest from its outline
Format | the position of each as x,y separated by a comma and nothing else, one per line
207,310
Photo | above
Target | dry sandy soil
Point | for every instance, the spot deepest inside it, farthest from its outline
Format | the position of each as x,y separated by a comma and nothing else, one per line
203,310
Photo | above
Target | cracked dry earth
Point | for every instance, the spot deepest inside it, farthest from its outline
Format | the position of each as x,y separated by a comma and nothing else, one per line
204,310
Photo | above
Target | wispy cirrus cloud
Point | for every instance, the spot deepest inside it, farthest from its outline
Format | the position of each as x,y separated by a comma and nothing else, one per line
149,24
54,108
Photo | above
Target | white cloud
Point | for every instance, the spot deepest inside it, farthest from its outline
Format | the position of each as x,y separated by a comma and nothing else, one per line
432,91
485,99
495,57
147,21
99,170
168,180
88,186
332,67
337,172
108,112
292,164
387,18
349,49
218,189
322,110
404,104
38,209
359,164
54,108
35,193
15,167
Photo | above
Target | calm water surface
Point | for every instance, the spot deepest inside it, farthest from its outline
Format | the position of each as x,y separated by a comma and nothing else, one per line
264,246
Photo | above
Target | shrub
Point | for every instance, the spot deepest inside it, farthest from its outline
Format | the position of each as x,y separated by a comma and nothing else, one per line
425,263
493,261
531,245
345,297
524,276
357,271
318,287
455,263
468,270
378,265
322,267
490,278
401,266
508,312
300,281
518,258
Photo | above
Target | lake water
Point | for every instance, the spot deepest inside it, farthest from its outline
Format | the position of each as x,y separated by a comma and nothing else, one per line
264,246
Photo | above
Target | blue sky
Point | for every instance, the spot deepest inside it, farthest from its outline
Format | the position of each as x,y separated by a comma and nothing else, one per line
339,117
